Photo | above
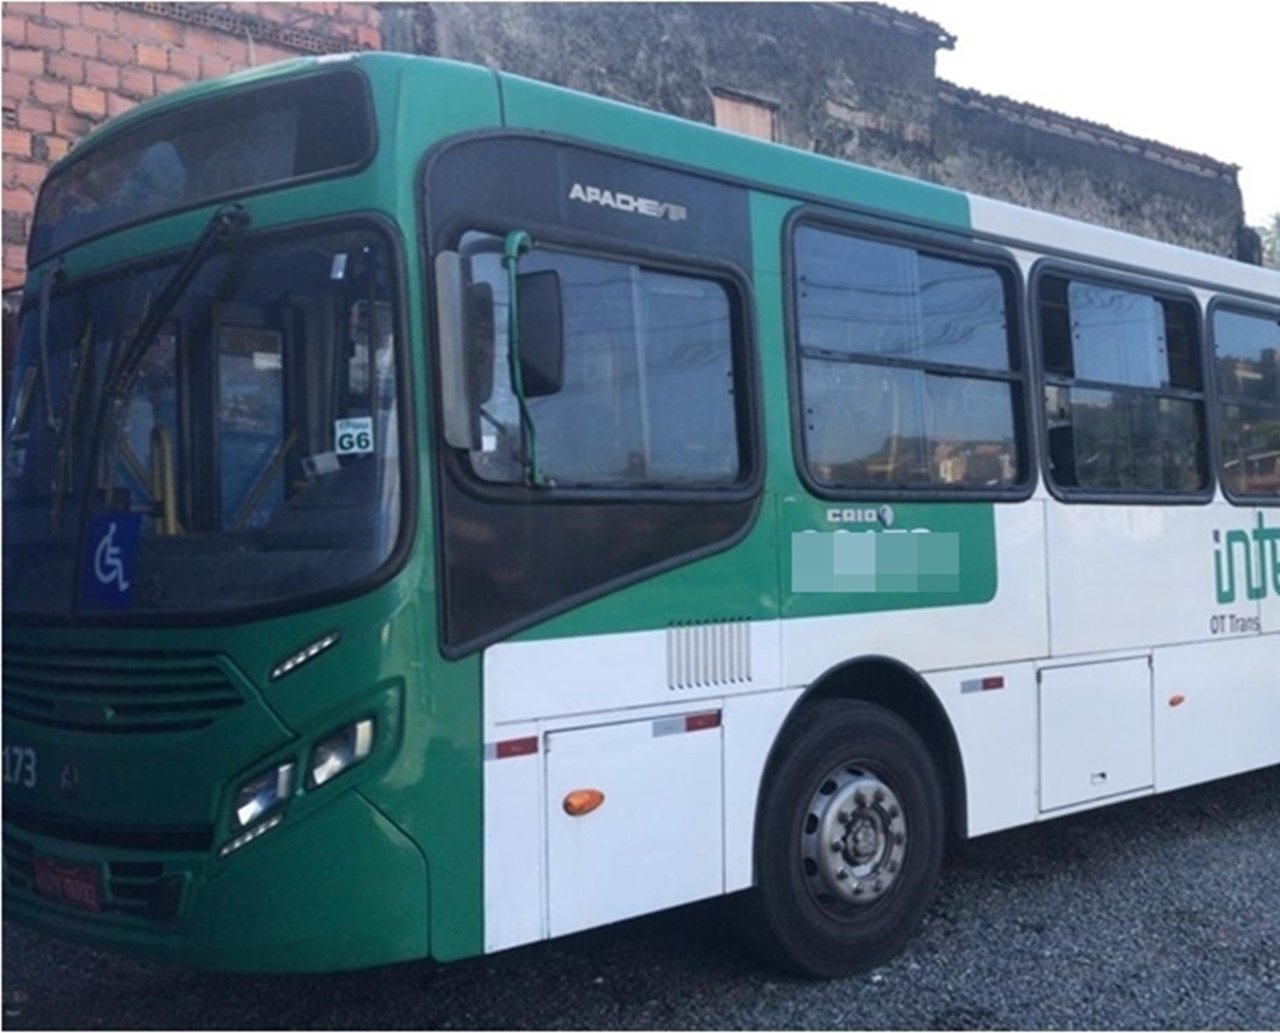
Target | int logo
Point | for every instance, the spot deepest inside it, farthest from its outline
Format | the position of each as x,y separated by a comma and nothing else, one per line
1248,559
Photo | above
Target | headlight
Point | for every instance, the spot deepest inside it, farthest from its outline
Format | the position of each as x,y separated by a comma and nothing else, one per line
263,793
341,750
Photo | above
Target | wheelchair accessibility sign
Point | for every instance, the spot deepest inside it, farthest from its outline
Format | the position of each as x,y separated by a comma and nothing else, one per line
110,561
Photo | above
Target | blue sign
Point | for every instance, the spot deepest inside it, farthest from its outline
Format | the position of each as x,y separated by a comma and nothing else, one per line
110,561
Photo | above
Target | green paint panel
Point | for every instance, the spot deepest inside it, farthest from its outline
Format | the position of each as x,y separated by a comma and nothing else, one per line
346,889
343,880
867,557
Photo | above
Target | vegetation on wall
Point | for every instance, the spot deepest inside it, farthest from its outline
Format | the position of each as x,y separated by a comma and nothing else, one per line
1270,234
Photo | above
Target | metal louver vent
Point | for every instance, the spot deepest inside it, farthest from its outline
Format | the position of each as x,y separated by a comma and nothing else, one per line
705,655
116,692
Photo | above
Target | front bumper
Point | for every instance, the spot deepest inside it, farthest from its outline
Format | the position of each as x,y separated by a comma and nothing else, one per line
341,888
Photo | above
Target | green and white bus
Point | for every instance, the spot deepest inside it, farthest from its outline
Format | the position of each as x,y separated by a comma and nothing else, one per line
444,511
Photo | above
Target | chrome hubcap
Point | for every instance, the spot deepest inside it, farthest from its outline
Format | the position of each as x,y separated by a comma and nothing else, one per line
854,840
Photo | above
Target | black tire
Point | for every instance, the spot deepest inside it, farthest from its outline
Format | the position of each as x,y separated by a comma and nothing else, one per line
843,760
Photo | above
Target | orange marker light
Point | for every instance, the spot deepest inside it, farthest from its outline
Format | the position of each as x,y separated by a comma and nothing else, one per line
582,801
1177,701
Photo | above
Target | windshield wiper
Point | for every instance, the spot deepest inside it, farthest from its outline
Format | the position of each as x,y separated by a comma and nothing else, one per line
65,455
42,340
224,221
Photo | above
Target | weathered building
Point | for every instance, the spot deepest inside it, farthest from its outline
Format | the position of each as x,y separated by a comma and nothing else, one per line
856,81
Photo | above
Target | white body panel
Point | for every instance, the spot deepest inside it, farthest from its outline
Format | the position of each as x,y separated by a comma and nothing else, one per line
1032,229
1109,665
1122,577
1033,748
657,839
1012,626
995,731
1095,731
551,690
1229,716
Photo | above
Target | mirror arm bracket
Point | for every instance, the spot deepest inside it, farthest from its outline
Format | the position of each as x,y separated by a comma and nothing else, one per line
515,244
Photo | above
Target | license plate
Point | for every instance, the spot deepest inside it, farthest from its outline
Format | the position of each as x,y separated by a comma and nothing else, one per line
74,884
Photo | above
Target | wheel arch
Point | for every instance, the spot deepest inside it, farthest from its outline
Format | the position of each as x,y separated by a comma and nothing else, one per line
892,684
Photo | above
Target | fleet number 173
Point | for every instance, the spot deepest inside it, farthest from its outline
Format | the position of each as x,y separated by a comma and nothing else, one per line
20,766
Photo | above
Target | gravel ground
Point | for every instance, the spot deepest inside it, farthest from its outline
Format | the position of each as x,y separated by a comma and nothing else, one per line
1157,914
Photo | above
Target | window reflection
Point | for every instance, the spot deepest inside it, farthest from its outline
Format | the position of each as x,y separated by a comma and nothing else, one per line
1117,440
907,371
1123,398
1248,362
648,389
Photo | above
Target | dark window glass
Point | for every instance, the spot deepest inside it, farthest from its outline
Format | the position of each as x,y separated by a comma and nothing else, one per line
908,372
867,297
883,425
249,140
1247,351
254,445
1126,337
1125,441
1123,393
647,398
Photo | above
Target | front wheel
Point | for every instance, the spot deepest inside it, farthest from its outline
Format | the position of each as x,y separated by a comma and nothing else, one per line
849,840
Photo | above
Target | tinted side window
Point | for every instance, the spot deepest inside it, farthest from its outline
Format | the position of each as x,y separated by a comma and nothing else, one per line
908,367
1247,359
1124,395
647,397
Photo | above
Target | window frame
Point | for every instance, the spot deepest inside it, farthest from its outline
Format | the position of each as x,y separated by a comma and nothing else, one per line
1159,290
1020,377
1240,307
744,363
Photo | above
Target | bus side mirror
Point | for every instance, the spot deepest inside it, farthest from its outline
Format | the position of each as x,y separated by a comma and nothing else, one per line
540,312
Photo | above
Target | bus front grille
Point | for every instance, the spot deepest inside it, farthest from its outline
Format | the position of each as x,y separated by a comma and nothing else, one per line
116,692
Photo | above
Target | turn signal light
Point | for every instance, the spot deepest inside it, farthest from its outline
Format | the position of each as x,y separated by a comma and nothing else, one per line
1177,700
582,801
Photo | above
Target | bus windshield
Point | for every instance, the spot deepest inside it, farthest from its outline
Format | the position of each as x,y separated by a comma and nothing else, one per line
246,454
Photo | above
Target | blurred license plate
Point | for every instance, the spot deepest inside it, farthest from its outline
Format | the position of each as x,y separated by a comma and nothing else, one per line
74,884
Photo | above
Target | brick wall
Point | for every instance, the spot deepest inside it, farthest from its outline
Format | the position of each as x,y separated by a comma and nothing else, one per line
68,66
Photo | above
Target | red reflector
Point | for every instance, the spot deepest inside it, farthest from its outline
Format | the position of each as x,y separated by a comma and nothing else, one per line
992,683
516,747
697,722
